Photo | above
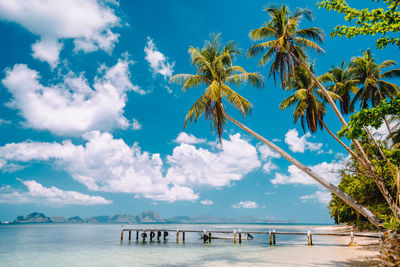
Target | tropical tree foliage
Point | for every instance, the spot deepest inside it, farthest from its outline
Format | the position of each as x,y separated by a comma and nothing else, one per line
355,183
384,21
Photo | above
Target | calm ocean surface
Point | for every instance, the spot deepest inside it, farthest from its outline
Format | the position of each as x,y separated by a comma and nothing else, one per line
99,245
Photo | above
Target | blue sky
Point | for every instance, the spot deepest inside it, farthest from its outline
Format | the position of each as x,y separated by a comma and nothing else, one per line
90,125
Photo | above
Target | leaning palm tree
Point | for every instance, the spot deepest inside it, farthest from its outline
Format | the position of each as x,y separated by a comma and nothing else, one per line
216,72
286,43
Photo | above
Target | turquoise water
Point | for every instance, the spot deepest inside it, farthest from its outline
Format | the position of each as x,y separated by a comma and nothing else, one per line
99,245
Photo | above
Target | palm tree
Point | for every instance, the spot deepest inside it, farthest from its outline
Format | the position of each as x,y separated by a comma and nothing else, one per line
216,72
343,83
308,106
286,43
370,77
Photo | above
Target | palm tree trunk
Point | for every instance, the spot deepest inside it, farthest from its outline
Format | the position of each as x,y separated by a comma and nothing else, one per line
357,158
359,148
387,125
332,188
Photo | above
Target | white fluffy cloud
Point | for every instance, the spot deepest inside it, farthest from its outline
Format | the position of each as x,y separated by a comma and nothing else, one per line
267,154
89,23
329,171
4,122
321,196
184,138
136,125
198,166
72,107
269,166
39,194
245,205
206,202
300,144
110,165
158,62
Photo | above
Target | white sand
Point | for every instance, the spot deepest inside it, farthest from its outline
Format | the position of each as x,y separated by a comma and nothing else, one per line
326,251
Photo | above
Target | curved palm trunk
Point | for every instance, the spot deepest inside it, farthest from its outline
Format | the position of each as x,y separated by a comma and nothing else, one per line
357,158
332,188
387,125
370,167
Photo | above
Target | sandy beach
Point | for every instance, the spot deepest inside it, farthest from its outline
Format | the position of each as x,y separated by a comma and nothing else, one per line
331,251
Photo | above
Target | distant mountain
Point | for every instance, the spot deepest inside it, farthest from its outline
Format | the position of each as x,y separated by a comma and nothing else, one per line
149,216
75,219
144,217
34,217
58,219
127,218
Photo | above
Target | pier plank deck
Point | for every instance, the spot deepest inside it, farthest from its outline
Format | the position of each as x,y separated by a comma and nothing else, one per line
207,234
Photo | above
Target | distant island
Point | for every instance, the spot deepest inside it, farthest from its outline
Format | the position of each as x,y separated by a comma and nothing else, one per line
144,217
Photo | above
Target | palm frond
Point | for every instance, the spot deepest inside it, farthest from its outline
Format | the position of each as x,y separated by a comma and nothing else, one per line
254,78
308,44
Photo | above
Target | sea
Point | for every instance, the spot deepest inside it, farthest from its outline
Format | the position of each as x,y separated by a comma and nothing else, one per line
99,245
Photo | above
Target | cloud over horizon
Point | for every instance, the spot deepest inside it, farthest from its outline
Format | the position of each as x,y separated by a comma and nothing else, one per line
107,164
39,194
245,205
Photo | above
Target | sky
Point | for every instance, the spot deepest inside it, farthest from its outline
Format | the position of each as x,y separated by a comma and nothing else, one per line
90,124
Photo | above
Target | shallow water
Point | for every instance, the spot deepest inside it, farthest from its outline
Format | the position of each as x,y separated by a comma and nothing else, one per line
99,245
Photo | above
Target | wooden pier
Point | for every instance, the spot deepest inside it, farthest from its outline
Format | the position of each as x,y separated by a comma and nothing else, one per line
151,234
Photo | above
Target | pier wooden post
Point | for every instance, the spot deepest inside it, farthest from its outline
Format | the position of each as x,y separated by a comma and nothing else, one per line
129,235
183,237
122,235
273,236
234,236
158,235
352,243
270,237
151,236
137,235
204,236
144,235
209,237
165,235
240,236
177,236
309,237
